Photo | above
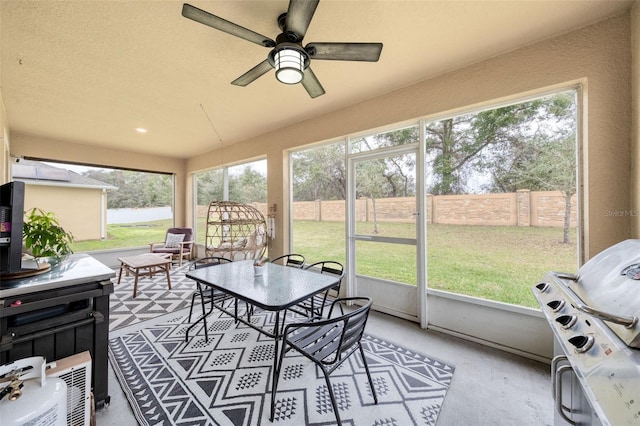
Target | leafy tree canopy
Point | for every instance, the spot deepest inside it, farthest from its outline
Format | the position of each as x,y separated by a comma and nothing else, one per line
135,189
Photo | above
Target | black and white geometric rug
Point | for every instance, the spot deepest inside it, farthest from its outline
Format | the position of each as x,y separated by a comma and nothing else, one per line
227,380
154,297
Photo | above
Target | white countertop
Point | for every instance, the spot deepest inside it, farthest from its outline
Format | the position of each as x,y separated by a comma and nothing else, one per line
76,269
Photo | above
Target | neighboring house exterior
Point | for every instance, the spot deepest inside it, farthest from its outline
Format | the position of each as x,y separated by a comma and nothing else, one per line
51,188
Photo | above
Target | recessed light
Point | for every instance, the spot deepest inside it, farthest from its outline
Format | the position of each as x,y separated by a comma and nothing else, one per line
141,130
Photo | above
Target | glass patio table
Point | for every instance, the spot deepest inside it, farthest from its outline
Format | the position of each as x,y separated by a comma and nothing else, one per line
277,289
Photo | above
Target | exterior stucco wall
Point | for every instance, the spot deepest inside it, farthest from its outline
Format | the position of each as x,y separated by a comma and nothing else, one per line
82,217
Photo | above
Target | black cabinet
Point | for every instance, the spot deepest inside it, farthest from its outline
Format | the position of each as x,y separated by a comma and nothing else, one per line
61,313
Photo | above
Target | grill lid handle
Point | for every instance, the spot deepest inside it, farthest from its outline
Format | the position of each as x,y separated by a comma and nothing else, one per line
566,276
628,322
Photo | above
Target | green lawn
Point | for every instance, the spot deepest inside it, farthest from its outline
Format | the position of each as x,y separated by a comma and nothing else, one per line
126,235
490,262
496,263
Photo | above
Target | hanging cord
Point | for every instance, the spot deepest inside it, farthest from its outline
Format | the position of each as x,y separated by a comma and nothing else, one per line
216,133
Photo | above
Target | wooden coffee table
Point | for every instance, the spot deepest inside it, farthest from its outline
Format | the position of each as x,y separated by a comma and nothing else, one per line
145,265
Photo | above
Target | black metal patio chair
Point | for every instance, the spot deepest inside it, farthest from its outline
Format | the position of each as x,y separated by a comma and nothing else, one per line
208,295
315,305
327,343
292,259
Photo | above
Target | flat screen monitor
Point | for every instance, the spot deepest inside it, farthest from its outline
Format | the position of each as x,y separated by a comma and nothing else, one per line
11,223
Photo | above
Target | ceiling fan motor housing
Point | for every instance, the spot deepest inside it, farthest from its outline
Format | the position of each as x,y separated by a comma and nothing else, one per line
292,46
290,35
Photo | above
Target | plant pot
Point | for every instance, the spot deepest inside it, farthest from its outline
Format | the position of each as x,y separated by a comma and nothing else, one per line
258,270
51,260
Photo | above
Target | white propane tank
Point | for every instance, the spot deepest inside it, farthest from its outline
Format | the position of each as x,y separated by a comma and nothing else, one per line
28,397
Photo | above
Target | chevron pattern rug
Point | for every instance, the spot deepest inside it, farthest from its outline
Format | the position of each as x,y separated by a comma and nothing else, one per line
226,381
153,299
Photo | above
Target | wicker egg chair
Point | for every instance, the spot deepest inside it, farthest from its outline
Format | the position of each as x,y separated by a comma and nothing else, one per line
235,231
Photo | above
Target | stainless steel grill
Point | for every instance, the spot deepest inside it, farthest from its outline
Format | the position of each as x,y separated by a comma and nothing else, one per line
594,317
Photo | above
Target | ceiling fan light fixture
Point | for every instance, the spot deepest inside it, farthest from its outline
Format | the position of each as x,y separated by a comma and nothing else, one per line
289,65
287,56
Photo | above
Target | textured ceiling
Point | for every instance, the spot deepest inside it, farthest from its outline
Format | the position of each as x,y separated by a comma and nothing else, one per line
93,71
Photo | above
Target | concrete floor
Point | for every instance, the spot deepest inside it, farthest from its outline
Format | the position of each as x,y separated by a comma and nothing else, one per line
489,387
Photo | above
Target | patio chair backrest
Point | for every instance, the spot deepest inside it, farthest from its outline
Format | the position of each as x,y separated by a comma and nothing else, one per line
208,261
188,235
292,259
333,339
354,324
329,267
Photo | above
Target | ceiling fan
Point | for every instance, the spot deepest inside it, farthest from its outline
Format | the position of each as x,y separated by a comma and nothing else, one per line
287,56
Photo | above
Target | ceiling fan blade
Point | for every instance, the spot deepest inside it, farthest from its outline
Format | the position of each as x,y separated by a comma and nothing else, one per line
311,84
206,18
299,16
251,75
368,52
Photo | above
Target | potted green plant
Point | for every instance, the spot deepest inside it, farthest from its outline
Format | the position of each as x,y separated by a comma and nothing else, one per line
44,237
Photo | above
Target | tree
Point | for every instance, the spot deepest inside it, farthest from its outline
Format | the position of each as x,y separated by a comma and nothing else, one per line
544,160
319,173
555,169
531,145
249,186
372,183
453,145
391,176
209,186
398,172
135,189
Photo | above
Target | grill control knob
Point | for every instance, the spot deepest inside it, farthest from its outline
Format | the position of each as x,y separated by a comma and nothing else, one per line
542,287
581,342
556,305
567,321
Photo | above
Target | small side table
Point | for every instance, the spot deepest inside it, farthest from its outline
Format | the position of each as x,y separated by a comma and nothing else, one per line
145,265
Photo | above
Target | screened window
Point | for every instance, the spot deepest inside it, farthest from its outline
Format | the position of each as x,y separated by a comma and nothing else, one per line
501,202
318,211
391,138
248,182
245,183
104,208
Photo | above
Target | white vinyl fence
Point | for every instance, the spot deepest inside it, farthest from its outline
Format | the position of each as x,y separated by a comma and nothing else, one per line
115,216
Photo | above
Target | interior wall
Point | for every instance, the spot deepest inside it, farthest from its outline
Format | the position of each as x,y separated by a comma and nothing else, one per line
5,175
5,160
635,95
597,57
